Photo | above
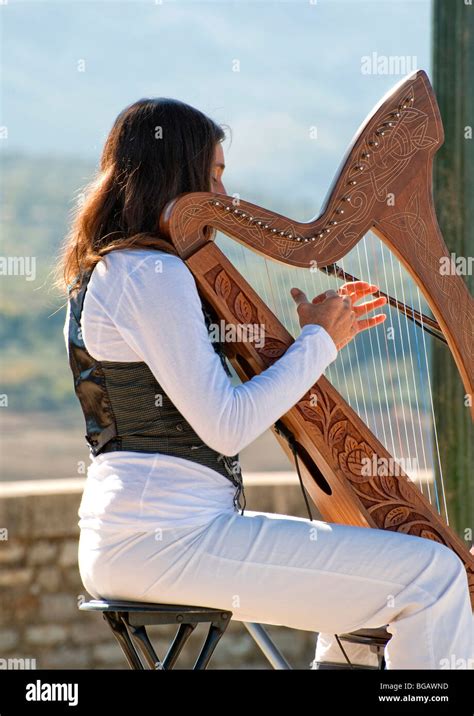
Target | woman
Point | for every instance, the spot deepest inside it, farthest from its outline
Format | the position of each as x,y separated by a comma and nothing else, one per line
160,518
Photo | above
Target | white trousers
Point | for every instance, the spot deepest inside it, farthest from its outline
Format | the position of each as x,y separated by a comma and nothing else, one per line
310,575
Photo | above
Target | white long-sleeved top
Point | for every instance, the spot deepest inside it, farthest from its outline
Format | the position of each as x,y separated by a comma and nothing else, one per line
143,305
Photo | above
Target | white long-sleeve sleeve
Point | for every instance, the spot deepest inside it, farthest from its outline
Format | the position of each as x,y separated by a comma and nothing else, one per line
159,315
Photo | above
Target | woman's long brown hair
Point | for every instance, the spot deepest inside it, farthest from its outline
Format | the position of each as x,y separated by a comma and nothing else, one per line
157,149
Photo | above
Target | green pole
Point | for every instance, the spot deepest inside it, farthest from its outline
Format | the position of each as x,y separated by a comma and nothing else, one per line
453,82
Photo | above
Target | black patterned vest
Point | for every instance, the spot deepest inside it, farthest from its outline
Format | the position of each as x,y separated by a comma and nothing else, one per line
125,407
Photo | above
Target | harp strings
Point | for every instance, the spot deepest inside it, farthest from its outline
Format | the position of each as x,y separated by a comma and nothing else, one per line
384,373
402,346
435,431
406,428
418,439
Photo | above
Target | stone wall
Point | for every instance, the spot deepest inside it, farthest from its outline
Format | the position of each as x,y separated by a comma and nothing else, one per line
40,587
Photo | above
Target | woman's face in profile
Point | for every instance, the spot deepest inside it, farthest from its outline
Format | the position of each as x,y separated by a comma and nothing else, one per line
217,170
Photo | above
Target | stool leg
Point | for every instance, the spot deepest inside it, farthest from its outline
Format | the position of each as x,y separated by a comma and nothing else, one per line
120,632
213,637
141,637
182,635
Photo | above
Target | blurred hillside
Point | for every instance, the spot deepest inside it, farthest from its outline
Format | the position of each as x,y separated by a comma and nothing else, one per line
37,197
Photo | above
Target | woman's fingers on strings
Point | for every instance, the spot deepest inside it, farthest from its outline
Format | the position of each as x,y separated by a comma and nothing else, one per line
350,292
364,323
369,305
361,288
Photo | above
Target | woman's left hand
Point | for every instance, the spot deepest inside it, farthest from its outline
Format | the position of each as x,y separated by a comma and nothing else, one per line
357,290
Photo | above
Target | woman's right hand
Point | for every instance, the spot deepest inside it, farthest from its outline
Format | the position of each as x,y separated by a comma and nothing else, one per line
331,311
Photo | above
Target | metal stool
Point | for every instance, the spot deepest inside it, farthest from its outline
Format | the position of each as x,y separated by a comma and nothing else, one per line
129,619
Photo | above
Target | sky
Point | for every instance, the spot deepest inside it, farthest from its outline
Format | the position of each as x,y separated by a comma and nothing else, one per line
294,80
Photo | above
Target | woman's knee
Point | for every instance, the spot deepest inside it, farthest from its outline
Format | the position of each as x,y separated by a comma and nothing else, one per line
448,566
448,559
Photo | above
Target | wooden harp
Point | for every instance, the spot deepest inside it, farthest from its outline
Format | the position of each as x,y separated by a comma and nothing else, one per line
391,155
